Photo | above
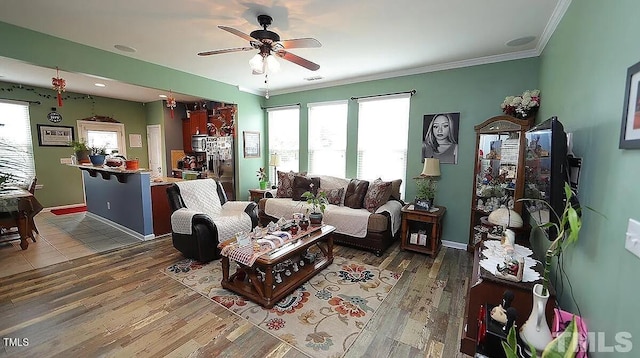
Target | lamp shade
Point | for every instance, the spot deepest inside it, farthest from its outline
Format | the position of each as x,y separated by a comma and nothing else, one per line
431,167
273,66
274,160
257,66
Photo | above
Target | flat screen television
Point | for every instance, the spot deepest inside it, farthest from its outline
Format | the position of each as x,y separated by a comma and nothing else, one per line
546,171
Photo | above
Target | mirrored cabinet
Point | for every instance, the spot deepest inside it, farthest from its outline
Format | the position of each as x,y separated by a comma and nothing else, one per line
499,171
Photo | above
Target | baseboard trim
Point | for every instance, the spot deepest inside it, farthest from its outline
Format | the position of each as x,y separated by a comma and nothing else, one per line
125,229
454,245
46,210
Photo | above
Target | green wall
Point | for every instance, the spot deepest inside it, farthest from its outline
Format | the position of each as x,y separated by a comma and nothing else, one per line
476,92
48,51
50,173
582,78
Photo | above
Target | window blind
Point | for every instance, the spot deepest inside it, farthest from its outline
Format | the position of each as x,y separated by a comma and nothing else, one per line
328,138
16,147
284,132
383,125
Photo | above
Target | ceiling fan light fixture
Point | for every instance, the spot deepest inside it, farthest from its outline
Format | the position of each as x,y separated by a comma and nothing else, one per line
256,64
273,66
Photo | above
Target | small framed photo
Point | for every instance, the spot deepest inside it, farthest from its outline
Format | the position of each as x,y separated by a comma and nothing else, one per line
251,144
630,131
55,136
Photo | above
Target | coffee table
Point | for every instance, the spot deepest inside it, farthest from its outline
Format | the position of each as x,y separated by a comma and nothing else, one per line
266,281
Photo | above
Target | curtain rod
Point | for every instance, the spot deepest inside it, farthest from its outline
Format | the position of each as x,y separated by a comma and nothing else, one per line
283,105
21,100
412,92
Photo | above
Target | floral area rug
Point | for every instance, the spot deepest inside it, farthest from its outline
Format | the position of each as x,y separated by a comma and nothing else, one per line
322,318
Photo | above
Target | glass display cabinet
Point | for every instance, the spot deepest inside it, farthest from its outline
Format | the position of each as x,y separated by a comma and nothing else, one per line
499,171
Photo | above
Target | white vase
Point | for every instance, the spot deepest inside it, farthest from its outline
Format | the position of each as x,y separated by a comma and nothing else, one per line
535,330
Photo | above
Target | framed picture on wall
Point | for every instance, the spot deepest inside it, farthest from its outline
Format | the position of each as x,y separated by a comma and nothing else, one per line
251,144
54,136
440,137
630,131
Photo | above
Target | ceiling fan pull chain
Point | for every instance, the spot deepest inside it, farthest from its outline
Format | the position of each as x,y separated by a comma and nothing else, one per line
266,83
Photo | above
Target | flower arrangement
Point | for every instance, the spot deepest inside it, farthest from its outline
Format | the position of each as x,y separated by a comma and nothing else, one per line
262,175
523,106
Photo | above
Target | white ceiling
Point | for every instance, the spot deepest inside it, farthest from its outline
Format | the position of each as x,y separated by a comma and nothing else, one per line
361,40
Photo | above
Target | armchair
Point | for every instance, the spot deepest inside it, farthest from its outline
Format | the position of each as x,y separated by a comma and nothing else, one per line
202,217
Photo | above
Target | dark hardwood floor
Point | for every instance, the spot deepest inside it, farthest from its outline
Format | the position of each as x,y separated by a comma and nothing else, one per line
118,303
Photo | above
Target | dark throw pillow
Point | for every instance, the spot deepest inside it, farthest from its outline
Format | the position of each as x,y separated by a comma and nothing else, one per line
378,193
356,190
302,184
285,184
334,196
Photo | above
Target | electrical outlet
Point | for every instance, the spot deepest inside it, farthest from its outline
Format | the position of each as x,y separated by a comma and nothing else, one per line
632,242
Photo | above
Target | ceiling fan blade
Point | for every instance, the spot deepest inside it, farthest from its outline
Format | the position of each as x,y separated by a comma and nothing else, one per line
216,52
298,60
301,43
238,33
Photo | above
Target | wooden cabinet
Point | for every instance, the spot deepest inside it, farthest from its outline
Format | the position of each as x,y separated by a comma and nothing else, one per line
195,124
160,209
485,288
498,177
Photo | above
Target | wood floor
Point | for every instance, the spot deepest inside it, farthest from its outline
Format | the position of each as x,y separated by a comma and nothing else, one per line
119,304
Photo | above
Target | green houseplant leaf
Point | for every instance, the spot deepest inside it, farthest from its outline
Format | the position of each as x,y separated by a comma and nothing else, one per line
565,345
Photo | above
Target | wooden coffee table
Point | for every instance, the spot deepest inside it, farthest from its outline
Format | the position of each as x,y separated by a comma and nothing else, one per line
266,281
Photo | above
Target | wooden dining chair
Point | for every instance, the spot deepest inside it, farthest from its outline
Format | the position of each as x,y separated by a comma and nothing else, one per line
32,224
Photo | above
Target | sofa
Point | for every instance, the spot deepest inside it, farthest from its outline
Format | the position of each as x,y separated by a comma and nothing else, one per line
366,214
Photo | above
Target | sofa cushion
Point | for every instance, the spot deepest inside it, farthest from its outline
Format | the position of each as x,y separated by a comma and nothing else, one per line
356,190
285,183
378,193
395,189
334,196
302,184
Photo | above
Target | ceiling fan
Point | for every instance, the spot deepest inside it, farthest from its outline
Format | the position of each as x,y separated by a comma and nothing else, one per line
268,42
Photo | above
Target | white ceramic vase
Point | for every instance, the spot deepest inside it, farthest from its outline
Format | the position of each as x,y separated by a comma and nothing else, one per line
535,330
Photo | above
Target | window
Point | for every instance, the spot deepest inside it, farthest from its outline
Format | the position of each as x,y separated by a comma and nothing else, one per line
103,134
383,125
16,148
328,138
283,127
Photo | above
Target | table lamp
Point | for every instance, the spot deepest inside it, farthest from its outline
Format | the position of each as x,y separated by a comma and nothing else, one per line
427,184
274,161
431,168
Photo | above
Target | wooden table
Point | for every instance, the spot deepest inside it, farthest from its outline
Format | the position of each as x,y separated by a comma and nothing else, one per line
257,194
431,222
265,283
17,208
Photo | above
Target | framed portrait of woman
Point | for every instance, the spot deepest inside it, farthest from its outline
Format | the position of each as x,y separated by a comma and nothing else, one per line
440,137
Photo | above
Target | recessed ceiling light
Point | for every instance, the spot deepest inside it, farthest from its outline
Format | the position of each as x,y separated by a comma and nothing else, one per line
162,96
520,41
100,85
124,48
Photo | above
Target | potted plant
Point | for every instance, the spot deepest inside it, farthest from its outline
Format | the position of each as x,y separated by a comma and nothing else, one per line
262,178
81,150
318,203
564,345
536,331
98,155
426,192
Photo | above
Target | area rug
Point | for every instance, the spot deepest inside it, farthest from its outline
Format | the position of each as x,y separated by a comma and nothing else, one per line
75,209
322,318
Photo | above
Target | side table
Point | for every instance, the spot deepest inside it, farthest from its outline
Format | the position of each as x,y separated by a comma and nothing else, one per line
257,194
431,221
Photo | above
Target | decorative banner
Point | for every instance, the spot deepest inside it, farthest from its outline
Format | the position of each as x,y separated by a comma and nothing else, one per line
171,102
59,85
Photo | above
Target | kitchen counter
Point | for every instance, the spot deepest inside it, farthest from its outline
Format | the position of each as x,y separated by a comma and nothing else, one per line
165,181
